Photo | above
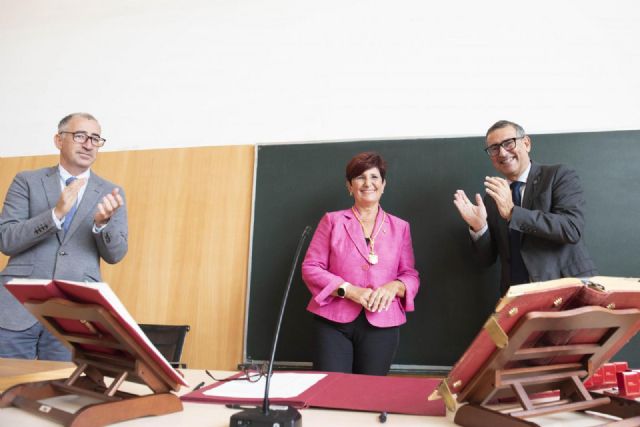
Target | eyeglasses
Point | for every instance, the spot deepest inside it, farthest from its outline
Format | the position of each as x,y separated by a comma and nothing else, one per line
251,373
508,144
81,138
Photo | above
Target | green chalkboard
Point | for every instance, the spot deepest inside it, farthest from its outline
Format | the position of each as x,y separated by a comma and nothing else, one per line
297,183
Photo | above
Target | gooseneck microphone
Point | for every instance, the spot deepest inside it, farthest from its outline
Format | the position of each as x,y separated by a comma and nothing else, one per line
265,416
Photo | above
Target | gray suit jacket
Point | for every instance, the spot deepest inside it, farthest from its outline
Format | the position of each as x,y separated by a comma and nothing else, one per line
37,249
551,221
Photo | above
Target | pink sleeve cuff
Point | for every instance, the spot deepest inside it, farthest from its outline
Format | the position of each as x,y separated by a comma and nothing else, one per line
324,297
410,291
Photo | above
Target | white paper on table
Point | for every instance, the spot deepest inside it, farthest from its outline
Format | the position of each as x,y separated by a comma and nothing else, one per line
283,385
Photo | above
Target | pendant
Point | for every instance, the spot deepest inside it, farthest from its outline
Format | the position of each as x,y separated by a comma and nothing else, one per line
373,258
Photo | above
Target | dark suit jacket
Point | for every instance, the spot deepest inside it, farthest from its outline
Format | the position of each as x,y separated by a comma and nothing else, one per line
37,249
551,221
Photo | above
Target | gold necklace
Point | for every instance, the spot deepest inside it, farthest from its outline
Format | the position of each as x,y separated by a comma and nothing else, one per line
373,257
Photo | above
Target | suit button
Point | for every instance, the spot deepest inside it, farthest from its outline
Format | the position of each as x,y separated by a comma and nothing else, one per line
62,253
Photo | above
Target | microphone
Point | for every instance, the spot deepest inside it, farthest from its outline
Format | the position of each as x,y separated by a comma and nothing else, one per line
266,417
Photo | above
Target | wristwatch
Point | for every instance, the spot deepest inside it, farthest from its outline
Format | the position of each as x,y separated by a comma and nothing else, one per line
342,290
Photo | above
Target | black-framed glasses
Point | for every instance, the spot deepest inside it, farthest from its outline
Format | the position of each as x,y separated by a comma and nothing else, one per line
251,373
508,144
81,137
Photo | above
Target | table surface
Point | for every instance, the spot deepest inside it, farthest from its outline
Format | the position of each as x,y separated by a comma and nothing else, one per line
214,415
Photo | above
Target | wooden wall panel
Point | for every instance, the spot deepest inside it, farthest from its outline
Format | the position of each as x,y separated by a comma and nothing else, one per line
189,220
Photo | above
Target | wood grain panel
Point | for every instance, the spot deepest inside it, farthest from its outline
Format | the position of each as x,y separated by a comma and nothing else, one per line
189,220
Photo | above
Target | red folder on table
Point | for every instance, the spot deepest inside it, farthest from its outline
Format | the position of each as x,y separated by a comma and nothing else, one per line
400,395
562,295
100,294
107,347
553,295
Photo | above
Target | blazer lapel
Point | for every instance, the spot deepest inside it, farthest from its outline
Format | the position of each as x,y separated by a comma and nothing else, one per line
531,188
354,230
87,204
51,184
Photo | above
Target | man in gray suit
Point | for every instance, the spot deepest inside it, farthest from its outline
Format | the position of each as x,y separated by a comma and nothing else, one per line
532,218
58,222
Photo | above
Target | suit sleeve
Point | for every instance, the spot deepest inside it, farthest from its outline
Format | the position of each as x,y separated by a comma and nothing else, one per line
485,246
112,240
18,232
315,267
407,273
563,222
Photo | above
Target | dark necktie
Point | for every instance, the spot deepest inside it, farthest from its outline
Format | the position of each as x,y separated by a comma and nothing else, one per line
519,273
69,216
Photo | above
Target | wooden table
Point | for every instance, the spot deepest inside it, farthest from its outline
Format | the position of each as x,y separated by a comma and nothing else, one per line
212,415
15,371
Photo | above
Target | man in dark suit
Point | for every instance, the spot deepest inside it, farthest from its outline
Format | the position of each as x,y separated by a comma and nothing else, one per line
58,222
532,218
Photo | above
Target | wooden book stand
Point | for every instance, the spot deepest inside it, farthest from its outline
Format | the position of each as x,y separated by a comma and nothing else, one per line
101,347
550,353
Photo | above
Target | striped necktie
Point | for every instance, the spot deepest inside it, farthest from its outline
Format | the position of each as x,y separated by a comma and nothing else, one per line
69,216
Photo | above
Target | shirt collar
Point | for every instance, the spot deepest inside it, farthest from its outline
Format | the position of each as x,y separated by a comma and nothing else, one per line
64,174
525,174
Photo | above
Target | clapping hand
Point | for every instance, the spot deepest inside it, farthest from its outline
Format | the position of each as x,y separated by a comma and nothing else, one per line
474,215
499,190
68,198
107,207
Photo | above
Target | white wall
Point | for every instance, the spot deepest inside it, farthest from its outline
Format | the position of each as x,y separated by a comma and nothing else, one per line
175,73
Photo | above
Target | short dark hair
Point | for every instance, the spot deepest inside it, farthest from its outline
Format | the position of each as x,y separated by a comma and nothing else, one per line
363,162
68,117
506,123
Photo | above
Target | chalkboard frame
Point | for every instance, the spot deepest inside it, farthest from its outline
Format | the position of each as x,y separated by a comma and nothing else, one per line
295,184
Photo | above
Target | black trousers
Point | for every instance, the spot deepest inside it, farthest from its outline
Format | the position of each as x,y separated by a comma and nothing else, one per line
356,347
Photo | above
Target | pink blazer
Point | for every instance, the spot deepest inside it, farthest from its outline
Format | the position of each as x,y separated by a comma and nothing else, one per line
338,253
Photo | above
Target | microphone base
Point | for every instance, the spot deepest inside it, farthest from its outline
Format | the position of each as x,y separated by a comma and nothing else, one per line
255,417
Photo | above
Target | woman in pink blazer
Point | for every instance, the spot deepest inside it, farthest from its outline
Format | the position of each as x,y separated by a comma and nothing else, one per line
360,270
